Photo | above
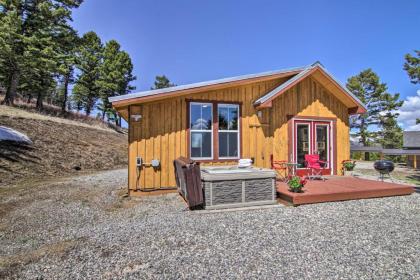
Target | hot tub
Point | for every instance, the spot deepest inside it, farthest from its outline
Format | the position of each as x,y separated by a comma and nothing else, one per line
228,187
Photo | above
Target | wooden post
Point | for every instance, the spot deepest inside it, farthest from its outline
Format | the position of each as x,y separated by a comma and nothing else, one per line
415,161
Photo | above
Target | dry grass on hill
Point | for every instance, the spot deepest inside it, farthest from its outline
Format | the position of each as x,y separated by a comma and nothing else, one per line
61,147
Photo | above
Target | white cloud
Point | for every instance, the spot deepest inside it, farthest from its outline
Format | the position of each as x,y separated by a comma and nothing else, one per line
409,112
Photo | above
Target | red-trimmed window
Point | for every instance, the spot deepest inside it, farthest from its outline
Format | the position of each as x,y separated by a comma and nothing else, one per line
214,130
201,130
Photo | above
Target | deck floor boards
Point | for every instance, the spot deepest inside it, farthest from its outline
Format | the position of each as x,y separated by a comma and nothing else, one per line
341,188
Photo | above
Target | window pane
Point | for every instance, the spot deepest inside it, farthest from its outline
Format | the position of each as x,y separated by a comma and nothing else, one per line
223,144
302,142
201,116
321,142
233,144
228,144
228,117
206,115
233,118
223,118
201,144
195,114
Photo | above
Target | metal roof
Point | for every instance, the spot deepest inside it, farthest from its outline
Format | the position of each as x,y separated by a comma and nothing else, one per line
203,84
411,139
391,152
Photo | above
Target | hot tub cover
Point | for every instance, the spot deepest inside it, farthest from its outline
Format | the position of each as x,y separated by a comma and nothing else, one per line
255,173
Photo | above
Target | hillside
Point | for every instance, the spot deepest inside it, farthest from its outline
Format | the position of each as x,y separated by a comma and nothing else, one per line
61,147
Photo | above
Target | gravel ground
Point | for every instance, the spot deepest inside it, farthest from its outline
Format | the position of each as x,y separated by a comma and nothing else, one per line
84,228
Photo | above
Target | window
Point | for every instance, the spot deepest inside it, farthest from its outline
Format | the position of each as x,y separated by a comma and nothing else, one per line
201,120
228,130
212,123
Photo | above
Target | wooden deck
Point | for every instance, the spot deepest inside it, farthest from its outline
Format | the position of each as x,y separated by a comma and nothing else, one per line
341,188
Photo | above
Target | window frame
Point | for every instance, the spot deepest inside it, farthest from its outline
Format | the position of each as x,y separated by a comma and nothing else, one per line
237,131
215,130
201,130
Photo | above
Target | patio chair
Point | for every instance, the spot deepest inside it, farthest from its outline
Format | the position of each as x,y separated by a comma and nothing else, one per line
280,167
315,167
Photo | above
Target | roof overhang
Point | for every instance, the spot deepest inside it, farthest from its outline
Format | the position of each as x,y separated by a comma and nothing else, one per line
317,71
153,95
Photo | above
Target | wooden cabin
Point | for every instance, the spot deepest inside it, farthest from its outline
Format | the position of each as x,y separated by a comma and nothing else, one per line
284,114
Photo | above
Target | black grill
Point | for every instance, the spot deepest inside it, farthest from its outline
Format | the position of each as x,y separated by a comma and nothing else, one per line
384,166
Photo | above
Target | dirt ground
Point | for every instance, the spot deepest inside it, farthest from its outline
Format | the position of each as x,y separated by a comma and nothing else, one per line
61,147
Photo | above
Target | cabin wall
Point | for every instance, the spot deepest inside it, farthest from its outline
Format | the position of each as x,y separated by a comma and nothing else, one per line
162,132
309,99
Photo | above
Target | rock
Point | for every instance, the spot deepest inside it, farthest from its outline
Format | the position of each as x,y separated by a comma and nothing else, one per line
9,134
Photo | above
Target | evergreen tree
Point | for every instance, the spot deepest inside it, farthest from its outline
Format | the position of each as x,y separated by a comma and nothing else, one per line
379,124
68,43
40,66
412,66
368,88
162,82
390,136
27,28
115,77
89,60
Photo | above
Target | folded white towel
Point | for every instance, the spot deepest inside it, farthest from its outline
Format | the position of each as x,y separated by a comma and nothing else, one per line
244,162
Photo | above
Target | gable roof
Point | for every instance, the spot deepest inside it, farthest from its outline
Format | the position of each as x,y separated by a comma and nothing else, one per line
329,82
295,75
202,86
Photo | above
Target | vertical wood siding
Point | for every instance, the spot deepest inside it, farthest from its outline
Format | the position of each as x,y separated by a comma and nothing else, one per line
162,132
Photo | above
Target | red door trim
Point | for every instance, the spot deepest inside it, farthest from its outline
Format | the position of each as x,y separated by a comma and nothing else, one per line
332,122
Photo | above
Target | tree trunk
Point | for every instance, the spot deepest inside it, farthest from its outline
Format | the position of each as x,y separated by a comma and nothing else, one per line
39,102
11,89
29,99
66,88
87,110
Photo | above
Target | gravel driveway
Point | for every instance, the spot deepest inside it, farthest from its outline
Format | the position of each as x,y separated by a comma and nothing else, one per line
83,228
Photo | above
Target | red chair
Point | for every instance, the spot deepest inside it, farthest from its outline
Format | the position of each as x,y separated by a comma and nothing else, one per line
280,167
315,166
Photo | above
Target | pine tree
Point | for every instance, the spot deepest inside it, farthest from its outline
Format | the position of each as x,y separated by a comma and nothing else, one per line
367,87
390,134
89,61
379,124
115,77
162,82
26,29
412,66
68,43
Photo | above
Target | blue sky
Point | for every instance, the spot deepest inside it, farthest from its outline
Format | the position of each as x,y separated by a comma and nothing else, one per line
192,41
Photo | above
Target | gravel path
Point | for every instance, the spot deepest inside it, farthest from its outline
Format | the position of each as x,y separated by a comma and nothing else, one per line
84,228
